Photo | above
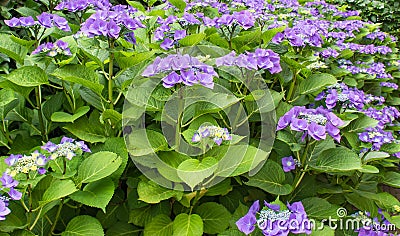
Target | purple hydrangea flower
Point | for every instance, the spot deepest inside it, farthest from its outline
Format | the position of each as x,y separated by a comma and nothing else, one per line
247,223
288,164
14,194
377,137
4,210
13,22
66,148
7,181
182,69
313,122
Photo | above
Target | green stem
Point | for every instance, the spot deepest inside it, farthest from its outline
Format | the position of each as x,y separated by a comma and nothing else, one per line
303,162
39,108
53,226
110,73
291,89
36,219
181,105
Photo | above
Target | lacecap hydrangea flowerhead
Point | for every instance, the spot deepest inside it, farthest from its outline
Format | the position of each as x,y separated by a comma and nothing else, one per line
67,148
316,123
217,134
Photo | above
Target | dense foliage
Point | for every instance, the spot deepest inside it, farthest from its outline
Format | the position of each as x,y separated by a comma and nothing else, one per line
197,118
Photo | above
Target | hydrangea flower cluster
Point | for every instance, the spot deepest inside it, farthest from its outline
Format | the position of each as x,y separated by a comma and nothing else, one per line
377,137
67,148
53,49
365,49
182,69
389,85
9,184
289,163
81,5
386,115
330,52
272,220
108,22
26,163
45,19
300,36
217,134
347,97
260,59
374,69
316,123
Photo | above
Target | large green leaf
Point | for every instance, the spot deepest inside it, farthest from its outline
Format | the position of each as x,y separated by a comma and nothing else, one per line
151,192
95,194
6,96
193,171
316,82
58,189
180,4
337,160
144,215
143,142
161,225
392,179
383,200
215,217
83,225
81,75
188,225
123,229
271,179
85,130
12,49
28,76
318,208
98,166
192,40
359,125
65,117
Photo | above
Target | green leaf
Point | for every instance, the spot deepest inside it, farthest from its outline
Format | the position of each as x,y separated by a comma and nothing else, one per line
192,40
12,49
143,216
28,76
373,156
98,166
383,200
269,34
316,82
123,229
359,125
96,194
136,5
86,131
215,217
361,203
188,225
318,208
390,148
161,225
24,91
271,179
81,75
143,142
6,96
392,179
151,192
193,172
337,160
53,104
58,189
65,117
83,225
369,169
180,4
130,61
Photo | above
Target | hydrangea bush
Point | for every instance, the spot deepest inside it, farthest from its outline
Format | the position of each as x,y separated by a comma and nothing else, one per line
197,118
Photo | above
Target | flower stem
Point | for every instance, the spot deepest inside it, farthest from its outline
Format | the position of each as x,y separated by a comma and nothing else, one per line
39,108
36,219
110,73
53,226
291,89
